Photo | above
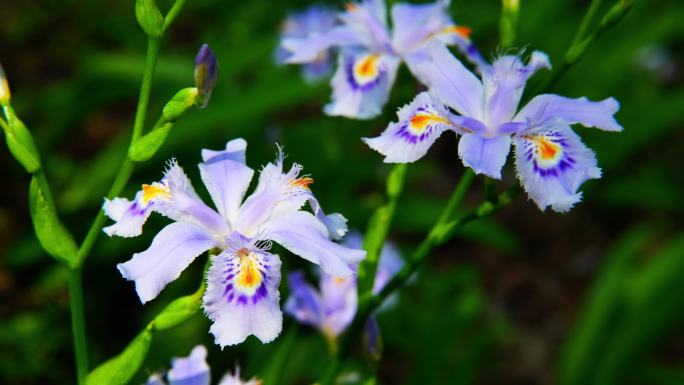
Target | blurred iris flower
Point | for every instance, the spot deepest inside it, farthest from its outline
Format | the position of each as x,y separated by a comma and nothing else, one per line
311,21
550,159
242,283
370,52
332,308
194,370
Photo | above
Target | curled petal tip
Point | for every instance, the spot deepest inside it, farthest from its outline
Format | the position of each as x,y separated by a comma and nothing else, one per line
206,74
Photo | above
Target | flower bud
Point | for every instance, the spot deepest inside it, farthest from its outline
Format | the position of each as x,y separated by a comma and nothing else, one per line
206,73
372,340
149,17
181,102
20,142
4,88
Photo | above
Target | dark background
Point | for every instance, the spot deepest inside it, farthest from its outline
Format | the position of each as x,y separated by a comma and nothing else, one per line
524,297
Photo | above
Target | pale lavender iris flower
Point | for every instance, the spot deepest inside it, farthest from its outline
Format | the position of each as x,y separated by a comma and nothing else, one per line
370,51
311,21
332,307
242,296
550,159
194,370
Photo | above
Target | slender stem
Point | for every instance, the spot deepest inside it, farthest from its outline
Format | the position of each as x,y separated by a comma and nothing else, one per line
368,304
378,228
127,166
171,15
125,171
78,324
586,21
508,22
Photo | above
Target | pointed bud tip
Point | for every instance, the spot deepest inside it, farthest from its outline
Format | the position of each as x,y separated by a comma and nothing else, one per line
206,73
4,88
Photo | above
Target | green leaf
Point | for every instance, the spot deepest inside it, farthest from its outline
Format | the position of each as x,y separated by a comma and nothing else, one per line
20,142
145,147
52,235
120,369
149,17
587,342
178,311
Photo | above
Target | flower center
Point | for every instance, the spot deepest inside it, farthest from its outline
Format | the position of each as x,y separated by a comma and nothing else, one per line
151,192
249,275
421,121
366,69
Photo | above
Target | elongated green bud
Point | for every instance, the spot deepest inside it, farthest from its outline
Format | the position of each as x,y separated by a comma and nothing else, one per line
20,142
616,13
5,94
149,17
182,101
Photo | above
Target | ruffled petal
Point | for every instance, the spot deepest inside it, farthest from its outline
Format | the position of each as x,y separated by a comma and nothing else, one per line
420,123
171,251
304,235
484,155
504,82
414,24
191,370
129,216
242,297
227,177
454,84
361,84
277,193
543,109
551,164
305,303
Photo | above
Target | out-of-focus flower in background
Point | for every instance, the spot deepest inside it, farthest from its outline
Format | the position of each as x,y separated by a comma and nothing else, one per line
370,52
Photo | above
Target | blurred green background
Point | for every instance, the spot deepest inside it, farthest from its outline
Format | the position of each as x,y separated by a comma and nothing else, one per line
525,297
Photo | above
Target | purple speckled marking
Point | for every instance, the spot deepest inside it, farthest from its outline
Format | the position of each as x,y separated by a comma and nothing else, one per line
405,133
566,162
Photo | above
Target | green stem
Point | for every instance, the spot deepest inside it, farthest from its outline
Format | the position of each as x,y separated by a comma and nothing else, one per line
378,228
171,15
125,171
369,303
127,166
508,22
582,40
586,21
78,324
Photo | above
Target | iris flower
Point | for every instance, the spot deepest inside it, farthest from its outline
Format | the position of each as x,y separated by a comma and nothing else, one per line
550,159
370,52
333,308
242,296
311,21
194,370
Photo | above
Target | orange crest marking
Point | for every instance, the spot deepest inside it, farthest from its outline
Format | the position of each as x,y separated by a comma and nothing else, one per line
460,30
420,121
151,192
301,182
